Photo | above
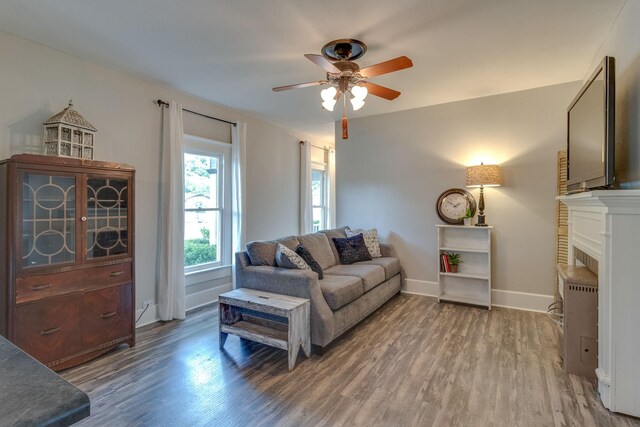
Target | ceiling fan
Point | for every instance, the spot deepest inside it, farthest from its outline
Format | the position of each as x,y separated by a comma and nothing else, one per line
344,76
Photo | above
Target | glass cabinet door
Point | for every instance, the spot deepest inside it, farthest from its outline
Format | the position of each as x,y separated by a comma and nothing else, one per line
48,219
107,217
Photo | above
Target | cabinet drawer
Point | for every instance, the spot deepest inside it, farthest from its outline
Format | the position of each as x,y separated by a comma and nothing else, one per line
107,314
38,287
34,288
110,274
49,330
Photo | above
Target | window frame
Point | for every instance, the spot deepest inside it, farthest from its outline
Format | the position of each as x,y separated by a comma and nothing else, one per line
211,148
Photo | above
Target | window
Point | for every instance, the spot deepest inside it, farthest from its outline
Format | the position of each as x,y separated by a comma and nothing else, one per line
206,204
319,197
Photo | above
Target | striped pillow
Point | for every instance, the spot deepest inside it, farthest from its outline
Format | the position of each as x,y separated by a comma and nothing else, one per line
286,258
370,240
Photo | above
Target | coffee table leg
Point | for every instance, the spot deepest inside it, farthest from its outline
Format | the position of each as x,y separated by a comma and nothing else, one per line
299,333
306,334
223,313
223,338
293,354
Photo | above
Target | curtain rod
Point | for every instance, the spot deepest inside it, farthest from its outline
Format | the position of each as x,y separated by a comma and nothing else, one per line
162,103
319,148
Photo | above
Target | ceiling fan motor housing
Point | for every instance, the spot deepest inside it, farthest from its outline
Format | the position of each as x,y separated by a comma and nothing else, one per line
344,50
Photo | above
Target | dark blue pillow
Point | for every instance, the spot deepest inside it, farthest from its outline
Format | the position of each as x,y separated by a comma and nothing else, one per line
308,258
352,249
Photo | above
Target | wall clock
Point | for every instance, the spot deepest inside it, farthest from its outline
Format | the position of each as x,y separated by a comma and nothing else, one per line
453,203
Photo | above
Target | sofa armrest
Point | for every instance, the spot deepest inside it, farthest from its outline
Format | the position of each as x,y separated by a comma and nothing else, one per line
295,283
387,250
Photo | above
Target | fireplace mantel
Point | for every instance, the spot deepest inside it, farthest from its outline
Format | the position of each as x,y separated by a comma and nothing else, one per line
605,224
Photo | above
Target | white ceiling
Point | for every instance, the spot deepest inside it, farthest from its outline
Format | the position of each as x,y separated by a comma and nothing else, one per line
234,52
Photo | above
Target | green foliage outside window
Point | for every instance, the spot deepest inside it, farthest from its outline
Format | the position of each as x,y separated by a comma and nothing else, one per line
199,251
196,171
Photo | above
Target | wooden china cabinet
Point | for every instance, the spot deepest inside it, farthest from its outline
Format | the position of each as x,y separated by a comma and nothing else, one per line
67,291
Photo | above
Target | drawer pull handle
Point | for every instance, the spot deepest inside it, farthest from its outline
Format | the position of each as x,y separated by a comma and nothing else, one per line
108,315
49,331
116,273
40,287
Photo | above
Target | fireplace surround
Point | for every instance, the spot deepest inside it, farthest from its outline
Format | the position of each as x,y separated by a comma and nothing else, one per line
605,225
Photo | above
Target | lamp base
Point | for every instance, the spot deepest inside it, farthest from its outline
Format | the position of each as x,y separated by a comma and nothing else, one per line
481,222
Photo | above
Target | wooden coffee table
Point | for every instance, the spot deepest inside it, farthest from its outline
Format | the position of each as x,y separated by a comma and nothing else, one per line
277,320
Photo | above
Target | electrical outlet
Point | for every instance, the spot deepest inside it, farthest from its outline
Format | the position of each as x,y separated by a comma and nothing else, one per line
146,303
588,350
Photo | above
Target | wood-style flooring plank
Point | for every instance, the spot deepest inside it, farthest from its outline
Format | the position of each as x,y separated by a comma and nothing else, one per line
413,362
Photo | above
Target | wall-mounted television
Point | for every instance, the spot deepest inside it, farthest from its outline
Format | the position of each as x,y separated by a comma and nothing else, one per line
591,132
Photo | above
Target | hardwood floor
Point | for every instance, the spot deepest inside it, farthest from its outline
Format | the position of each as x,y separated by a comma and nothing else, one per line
413,362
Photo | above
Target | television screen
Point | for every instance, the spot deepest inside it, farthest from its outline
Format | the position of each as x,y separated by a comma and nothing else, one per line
586,130
591,131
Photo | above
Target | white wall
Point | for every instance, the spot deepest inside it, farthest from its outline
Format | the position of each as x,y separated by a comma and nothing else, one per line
623,43
394,166
38,81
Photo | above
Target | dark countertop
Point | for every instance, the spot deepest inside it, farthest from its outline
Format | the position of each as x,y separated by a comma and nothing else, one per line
33,395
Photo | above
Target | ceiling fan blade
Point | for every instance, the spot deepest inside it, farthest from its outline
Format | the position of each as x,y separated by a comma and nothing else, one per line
322,62
381,91
300,85
399,63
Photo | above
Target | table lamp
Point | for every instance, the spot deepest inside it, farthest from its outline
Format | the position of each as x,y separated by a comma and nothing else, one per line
483,176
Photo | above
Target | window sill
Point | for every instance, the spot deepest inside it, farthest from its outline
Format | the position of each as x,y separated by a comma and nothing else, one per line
213,273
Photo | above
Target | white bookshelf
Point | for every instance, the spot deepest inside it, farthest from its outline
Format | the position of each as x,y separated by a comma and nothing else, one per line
472,283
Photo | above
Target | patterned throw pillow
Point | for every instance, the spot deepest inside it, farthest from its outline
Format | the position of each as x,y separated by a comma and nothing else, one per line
370,240
286,258
309,259
352,249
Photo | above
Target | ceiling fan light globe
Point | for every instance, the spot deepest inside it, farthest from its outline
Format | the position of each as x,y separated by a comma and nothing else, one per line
356,103
329,104
359,92
328,94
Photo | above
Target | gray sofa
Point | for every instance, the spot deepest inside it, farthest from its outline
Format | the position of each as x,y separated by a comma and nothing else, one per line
346,295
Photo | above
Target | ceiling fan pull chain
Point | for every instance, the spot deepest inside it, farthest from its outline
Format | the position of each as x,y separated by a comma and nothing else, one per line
345,123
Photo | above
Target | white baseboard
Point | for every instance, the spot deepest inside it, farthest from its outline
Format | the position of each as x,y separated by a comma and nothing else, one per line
499,298
192,302
149,316
420,287
521,300
207,296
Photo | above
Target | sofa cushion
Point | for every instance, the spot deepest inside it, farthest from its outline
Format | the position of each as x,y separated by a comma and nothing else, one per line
391,265
339,291
263,252
308,258
371,275
353,313
340,233
318,245
286,258
352,249
370,240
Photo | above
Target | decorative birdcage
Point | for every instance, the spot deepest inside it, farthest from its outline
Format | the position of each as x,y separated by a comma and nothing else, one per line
68,134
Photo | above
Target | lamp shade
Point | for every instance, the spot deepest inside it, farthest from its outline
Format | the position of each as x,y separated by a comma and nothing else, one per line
357,104
486,175
359,92
328,96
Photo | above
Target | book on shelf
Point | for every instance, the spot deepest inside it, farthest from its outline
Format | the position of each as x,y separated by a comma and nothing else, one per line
445,263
